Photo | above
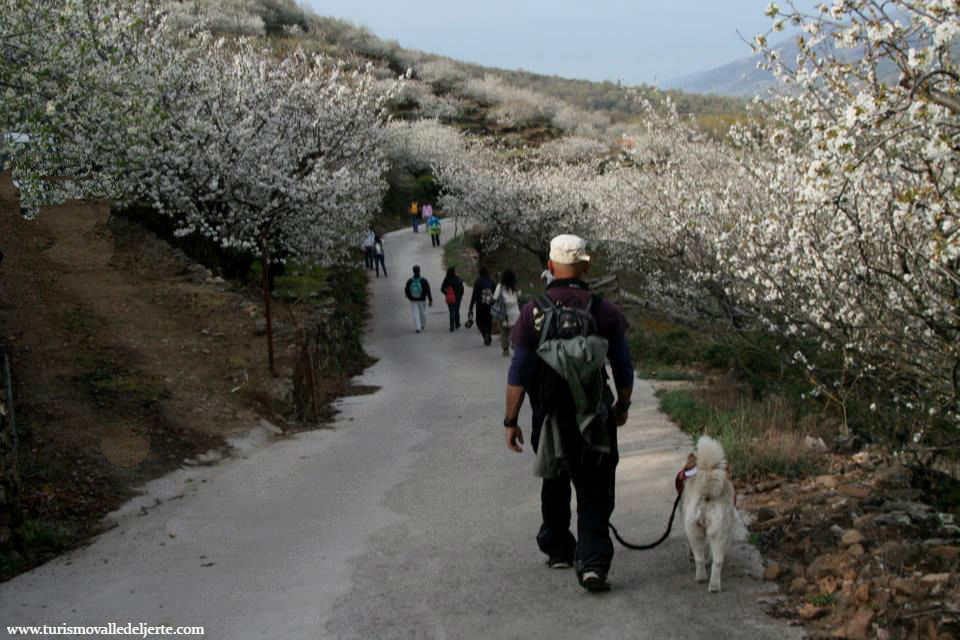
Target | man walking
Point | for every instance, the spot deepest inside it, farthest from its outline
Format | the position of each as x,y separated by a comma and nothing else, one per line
482,299
417,291
574,431
415,215
368,241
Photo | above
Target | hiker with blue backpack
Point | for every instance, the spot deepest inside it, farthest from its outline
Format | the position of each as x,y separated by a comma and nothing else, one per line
433,228
562,341
417,291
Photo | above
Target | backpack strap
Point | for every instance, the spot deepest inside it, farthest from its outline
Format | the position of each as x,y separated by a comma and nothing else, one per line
548,308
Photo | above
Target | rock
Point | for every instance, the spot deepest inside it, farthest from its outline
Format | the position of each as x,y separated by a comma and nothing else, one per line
945,552
861,457
766,513
862,594
829,482
934,578
836,530
855,550
769,485
892,476
893,519
851,536
898,554
916,510
798,584
282,390
772,572
853,491
825,564
770,524
904,586
817,444
811,612
828,585
864,521
842,503
859,626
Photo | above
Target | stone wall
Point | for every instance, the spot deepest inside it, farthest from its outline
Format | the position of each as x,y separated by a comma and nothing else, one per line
10,516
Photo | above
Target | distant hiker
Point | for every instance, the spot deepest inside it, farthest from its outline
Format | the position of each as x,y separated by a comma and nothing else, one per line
452,290
415,216
418,293
570,329
482,299
368,239
433,227
378,258
426,212
506,307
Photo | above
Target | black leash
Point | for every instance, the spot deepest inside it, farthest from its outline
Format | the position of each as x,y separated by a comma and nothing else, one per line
645,547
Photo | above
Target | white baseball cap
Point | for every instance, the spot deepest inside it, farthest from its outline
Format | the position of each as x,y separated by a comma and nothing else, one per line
568,249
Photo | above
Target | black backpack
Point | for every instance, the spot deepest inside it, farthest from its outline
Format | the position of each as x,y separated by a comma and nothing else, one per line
548,391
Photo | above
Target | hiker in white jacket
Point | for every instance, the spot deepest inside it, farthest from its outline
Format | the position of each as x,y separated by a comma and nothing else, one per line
509,295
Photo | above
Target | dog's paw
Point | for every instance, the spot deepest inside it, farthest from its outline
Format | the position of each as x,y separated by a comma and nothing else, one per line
714,587
701,576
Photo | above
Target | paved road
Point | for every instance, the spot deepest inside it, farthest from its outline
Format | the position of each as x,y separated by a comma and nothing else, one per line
409,520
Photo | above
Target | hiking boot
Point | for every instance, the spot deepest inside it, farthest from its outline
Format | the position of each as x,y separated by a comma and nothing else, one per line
559,562
594,581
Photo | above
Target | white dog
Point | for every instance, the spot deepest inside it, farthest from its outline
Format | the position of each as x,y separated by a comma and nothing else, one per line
709,514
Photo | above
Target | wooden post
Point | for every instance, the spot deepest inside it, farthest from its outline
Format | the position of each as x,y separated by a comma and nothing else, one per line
265,263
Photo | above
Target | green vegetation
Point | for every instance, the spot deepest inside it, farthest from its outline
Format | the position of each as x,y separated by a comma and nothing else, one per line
822,599
760,438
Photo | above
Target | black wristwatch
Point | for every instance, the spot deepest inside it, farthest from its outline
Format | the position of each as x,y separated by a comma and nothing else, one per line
510,422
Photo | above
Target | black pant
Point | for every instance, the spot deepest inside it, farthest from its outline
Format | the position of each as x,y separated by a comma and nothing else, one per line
593,476
454,314
484,322
368,257
378,261
435,239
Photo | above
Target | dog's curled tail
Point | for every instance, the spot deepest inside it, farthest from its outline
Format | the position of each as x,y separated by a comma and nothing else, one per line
712,464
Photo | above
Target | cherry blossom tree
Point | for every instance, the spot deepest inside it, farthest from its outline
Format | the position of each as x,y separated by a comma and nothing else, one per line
856,247
267,156
82,79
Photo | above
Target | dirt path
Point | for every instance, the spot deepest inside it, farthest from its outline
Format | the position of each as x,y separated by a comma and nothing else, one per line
409,520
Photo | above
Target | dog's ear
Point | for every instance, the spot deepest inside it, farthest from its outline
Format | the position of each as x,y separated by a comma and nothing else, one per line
691,461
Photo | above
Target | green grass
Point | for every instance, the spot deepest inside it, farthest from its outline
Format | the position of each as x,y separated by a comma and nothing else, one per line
664,372
760,438
822,599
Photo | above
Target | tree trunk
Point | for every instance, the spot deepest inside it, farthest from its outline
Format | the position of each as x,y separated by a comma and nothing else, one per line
265,281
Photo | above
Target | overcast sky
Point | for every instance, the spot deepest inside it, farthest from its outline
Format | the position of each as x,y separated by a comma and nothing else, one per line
631,40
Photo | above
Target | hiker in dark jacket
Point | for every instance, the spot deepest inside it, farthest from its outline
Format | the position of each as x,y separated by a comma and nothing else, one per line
417,291
452,290
588,456
482,299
